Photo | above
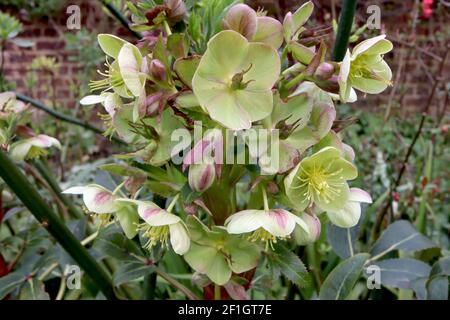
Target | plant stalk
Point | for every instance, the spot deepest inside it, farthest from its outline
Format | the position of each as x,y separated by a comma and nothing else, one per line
344,29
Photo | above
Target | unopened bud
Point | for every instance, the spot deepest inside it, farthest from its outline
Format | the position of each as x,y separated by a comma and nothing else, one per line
153,104
324,71
330,85
157,70
177,10
241,18
272,187
301,236
201,176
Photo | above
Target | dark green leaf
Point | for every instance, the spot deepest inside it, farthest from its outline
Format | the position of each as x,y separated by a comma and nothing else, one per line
131,271
340,239
340,282
284,261
10,282
401,235
437,288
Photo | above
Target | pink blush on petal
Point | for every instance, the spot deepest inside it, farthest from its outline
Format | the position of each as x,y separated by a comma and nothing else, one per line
150,212
102,197
280,216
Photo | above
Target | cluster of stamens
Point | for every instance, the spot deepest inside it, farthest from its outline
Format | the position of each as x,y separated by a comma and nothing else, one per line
155,235
320,183
361,70
112,79
263,235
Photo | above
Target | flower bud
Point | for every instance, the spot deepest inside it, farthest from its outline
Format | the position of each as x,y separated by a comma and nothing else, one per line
330,85
324,71
241,18
177,10
201,176
153,104
157,70
314,227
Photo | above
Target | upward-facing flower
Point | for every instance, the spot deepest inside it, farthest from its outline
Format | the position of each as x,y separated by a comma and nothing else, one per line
234,85
321,179
364,69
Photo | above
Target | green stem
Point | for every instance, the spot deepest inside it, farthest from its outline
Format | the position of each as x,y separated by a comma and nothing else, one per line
344,29
176,284
119,16
19,184
173,203
45,173
64,117
150,286
217,295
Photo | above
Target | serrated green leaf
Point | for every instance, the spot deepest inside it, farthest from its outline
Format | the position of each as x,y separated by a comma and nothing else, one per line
284,261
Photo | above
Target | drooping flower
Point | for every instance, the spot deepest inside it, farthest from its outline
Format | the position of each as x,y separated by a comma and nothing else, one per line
161,226
10,105
349,215
320,179
33,147
234,86
96,198
265,225
100,200
364,69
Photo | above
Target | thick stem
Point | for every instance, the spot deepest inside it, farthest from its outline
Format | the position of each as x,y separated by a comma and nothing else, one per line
19,184
344,29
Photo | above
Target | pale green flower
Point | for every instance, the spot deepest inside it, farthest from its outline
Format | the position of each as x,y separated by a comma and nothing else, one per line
125,75
320,179
234,79
364,69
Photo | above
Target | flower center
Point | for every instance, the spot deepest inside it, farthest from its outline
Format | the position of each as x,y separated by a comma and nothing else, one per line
113,79
320,183
263,235
154,234
360,69
237,82
35,152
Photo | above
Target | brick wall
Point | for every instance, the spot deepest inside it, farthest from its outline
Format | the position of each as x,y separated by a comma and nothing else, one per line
407,96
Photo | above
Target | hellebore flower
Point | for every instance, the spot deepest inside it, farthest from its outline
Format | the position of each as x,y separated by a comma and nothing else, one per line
100,200
161,226
126,74
201,176
243,19
303,238
320,179
33,147
349,216
266,225
218,254
96,198
364,69
234,86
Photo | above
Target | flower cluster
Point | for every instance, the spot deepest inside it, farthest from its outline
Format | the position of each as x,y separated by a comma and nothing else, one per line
246,87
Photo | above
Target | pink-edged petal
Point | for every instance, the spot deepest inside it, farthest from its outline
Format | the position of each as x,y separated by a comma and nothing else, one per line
278,222
99,200
155,216
359,195
244,221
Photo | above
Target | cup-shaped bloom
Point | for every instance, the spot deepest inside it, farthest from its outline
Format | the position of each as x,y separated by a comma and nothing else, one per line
241,18
269,31
33,147
234,86
303,238
320,179
349,215
265,225
161,226
364,69
96,198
